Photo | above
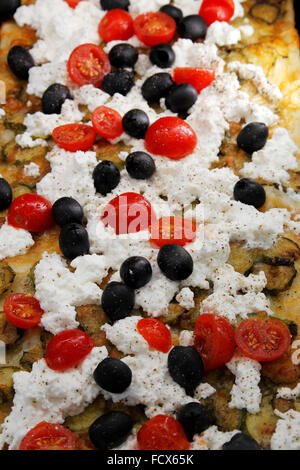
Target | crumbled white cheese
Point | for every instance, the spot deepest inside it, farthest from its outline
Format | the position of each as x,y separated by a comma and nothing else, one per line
46,395
137,7
32,169
245,393
185,298
14,241
287,433
289,393
222,34
204,391
186,338
40,78
212,439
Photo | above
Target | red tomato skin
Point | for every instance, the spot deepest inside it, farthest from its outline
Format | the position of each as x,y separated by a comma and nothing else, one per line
156,334
73,3
116,25
67,349
154,28
214,340
31,212
162,433
120,213
199,78
107,122
48,436
171,137
74,137
88,64
16,305
269,339
216,10
173,230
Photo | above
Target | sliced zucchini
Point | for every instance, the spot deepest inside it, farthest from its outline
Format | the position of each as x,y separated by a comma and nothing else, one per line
20,190
9,151
240,258
284,253
84,420
8,332
227,418
6,381
262,425
279,278
174,312
267,12
15,122
7,276
91,318
28,154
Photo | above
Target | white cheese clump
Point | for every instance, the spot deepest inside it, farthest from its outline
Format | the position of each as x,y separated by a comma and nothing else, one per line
245,393
59,290
289,393
222,34
273,161
47,395
287,433
212,439
185,298
32,169
151,384
137,7
14,241
40,78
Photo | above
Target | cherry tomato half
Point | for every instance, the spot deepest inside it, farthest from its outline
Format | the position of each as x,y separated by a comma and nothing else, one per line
154,28
23,310
116,25
263,340
216,10
128,213
48,436
174,230
88,64
31,212
67,349
73,3
107,122
162,433
197,77
156,334
171,137
74,137
214,340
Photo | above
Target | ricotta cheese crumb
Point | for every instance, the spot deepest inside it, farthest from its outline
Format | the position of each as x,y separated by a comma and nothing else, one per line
287,433
32,169
212,439
14,241
289,393
185,298
222,34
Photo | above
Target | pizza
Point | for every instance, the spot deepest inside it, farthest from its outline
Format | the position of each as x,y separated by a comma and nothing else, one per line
149,225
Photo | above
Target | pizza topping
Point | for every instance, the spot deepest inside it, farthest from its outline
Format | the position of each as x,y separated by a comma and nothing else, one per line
8,8
214,340
119,81
110,430
48,436
117,24
31,212
6,194
250,192
192,27
67,210
175,262
54,97
88,64
162,55
113,4
200,78
263,340
194,418
107,122
23,310
140,165
67,349
216,10
185,367
113,375
171,137
136,123
181,98
136,272
123,55
154,28
162,433
156,334
20,61
241,441
74,241
117,300
172,11
253,137
74,137
106,177
173,230
157,86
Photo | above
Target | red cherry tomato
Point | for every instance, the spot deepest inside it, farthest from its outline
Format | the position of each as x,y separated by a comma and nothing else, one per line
216,10
74,137
107,122
73,3
156,334
31,212
154,28
128,213
23,310
88,64
162,433
47,436
174,230
116,25
214,340
171,137
67,349
197,77
263,340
